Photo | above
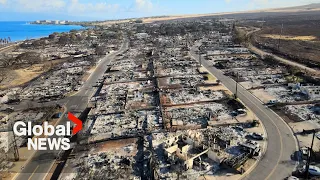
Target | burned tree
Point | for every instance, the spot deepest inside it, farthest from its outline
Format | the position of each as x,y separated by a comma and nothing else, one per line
100,50
29,58
64,39
3,75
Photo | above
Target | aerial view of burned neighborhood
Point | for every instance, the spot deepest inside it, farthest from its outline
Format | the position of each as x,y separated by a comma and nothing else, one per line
231,96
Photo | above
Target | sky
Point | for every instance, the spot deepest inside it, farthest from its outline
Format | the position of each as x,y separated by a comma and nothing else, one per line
80,10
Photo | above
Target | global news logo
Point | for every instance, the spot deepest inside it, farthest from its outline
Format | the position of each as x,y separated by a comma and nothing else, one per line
46,136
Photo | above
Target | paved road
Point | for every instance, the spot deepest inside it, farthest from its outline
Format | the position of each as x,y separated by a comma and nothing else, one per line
9,47
276,163
85,91
283,60
40,164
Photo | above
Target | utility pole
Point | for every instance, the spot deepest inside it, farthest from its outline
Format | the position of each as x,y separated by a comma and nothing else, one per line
236,95
15,147
309,155
14,144
200,55
280,37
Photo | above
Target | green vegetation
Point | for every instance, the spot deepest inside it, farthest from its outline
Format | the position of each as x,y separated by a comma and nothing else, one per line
294,79
138,21
240,36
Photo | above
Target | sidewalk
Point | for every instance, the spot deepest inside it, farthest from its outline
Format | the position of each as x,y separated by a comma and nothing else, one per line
25,156
250,165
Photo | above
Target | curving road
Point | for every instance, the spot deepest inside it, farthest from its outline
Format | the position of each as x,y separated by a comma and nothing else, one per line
262,53
42,161
276,163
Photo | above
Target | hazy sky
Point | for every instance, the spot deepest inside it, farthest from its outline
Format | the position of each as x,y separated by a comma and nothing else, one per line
119,9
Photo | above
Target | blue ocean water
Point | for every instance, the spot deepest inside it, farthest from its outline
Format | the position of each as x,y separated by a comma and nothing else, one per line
21,30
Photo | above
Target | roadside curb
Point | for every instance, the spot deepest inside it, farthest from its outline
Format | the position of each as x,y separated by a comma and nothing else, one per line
282,121
286,124
100,61
24,164
265,144
292,132
47,174
32,155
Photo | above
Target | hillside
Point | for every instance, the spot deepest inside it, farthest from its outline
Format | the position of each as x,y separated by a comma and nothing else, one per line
315,7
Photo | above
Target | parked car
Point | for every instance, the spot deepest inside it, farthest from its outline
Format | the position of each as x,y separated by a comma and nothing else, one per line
313,170
257,136
234,113
272,102
239,128
239,112
242,112
304,152
253,143
292,178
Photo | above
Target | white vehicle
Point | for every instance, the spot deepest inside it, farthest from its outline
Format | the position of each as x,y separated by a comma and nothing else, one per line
93,99
253,143
241,112
314,170
292,178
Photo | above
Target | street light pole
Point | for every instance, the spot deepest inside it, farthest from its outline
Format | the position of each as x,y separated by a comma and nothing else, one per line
200,55
14,143
236,94
309,156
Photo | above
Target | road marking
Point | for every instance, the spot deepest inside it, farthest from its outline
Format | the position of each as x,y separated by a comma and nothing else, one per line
48,173
281,143
270,119
66,102
33,172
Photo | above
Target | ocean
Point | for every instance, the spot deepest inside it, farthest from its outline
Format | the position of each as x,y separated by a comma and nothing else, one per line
21,30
